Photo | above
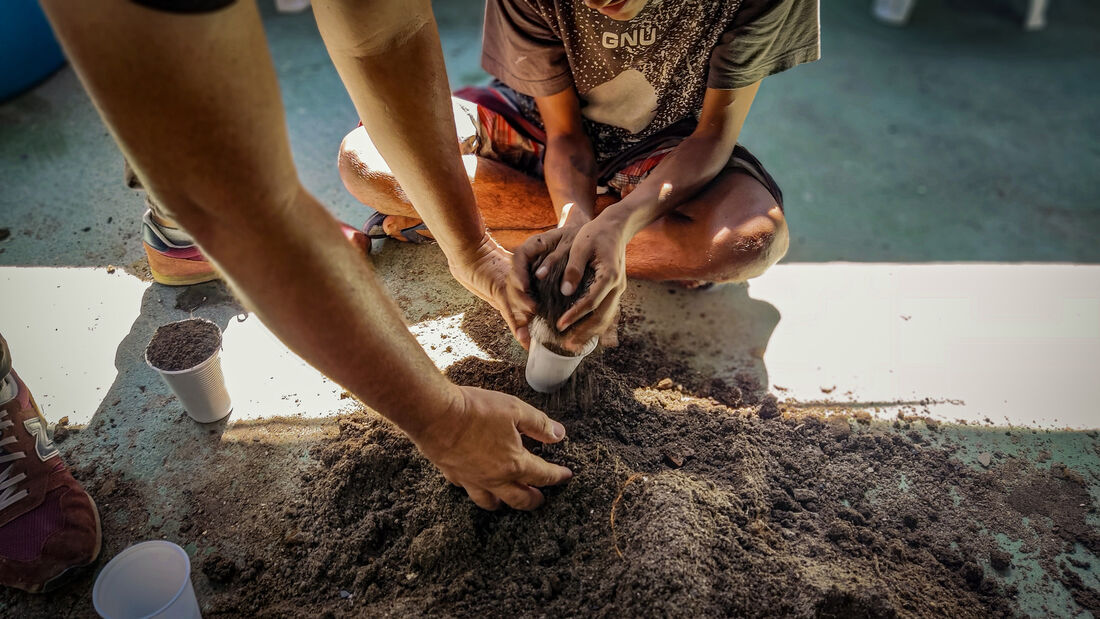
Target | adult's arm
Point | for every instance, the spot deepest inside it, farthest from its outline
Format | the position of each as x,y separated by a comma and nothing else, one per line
389,57
194,105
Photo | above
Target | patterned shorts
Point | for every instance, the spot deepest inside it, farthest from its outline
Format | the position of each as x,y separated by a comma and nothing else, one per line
491,126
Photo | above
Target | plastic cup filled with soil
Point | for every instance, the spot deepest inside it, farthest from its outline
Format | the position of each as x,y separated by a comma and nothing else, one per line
187,355
150,579
549,363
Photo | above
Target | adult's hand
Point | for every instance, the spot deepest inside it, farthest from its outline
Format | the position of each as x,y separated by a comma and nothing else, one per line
484,272
477,445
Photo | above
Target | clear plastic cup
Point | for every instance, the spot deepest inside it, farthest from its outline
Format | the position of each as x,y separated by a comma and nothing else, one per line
893,12
150,579
200,389
547,370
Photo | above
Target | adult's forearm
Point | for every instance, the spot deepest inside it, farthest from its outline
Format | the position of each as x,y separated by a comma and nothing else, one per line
320,295
389,57
194,104
569,168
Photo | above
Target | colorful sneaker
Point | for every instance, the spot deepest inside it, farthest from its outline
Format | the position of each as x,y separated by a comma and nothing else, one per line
49,526
174,259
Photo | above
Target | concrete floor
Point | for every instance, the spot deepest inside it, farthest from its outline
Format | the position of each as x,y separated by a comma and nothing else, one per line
922,169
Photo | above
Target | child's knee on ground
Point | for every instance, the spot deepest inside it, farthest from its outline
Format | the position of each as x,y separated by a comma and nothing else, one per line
746,252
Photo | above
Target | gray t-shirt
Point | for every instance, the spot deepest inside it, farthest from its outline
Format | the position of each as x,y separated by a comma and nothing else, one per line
637,77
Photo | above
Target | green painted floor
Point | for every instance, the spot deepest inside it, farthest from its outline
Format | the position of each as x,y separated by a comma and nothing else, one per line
958,138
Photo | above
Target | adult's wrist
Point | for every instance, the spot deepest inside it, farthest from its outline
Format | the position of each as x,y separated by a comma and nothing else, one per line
469,248
434,421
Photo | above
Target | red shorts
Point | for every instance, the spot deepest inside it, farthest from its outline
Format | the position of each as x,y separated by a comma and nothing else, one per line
491,126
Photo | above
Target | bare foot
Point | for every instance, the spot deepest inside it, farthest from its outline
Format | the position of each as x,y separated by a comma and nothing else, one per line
394,224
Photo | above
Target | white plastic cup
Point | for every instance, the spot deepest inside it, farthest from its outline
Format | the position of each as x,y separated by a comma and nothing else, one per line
150,579
201,389
291,6
547,370
893,12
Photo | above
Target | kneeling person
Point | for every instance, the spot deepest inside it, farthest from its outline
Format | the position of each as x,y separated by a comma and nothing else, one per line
609,140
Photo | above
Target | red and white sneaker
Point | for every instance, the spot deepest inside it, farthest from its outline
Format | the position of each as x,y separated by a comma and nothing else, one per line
49,526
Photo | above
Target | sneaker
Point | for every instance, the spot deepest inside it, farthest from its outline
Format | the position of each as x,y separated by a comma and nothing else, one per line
174,259
49,526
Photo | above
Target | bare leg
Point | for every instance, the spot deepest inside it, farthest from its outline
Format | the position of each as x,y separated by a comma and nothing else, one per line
732,231
507,198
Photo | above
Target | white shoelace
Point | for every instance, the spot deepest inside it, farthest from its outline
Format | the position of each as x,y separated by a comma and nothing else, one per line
9,491
8,389
172,237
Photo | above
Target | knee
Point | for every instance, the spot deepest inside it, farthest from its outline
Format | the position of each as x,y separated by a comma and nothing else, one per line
749,249
359,159
364,171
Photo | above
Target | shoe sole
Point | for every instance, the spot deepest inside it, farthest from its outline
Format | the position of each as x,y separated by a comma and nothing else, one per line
55,582
166,280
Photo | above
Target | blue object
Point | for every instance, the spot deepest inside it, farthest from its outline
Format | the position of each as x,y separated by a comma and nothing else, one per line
29,53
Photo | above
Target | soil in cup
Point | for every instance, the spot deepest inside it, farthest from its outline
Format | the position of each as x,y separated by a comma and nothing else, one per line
183,345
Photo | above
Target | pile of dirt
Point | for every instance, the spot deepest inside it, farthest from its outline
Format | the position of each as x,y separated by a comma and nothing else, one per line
690,496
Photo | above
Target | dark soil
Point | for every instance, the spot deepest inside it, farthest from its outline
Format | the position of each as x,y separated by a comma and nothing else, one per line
685,502
183,345
692,496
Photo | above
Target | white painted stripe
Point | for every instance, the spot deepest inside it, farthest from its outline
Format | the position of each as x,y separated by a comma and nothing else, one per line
1014,343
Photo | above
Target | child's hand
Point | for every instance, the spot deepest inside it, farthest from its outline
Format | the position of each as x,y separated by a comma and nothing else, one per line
601,246
541,251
